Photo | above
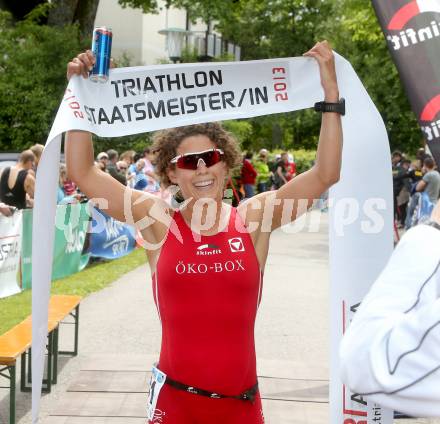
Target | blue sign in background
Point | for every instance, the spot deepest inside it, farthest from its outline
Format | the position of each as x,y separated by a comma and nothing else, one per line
109,238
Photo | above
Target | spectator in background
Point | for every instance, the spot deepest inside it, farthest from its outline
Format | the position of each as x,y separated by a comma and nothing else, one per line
281,170
37,150
430,181
128,157
17,182
415,174
405,192
152,178
121,166
397,171
112,169
421,155
63,197
123,169
248,176
140,179
263,172
102,161
131,171
291,168
396,158
69,187
6,210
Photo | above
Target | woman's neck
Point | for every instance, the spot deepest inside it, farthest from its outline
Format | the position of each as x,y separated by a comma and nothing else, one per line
206,217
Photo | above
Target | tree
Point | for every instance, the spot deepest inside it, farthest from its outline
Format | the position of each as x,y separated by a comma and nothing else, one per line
58,12
358,37
284,28
263,29
278,28
67,12
32,78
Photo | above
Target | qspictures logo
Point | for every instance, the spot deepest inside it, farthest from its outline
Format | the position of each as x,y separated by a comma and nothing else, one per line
402,35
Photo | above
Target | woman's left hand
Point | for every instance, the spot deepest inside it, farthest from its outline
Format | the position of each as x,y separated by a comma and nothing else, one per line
323,53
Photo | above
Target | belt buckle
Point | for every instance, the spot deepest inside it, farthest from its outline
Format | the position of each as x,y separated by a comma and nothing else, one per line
192,390
250,396
215,396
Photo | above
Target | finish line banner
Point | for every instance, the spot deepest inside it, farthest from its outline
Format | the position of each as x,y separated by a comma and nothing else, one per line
412,30
143,99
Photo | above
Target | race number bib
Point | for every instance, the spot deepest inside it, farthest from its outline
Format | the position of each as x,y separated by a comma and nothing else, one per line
156,383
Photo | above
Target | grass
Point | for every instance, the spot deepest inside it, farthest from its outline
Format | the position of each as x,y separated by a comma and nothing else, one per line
93,278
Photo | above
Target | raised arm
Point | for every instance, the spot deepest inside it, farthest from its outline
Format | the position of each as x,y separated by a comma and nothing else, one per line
303,189
119,201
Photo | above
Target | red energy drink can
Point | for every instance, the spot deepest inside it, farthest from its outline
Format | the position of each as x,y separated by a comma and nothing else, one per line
101,48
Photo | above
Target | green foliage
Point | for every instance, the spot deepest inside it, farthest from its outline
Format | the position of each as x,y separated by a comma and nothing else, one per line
147,6
32,78
242,129
34,56
136,142
358,37
304,159
283,28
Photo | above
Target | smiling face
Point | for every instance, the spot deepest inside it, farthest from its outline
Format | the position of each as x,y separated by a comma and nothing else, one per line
203,182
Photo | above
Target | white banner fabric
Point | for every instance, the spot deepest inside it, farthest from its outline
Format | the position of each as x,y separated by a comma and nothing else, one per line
143,99
10,252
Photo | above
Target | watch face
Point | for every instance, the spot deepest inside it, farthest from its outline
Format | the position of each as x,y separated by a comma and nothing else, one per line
331,107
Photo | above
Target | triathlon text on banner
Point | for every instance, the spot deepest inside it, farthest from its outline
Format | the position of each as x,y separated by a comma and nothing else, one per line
412,30
143,99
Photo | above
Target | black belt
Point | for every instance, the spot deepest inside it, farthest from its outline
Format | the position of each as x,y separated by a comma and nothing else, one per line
248,395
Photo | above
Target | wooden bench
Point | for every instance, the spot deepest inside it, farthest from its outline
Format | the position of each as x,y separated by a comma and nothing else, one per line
17,343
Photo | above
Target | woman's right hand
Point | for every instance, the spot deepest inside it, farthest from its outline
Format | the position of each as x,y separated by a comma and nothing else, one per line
81,65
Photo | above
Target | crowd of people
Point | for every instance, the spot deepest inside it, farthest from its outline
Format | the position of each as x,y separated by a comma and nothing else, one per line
259,174
17,182
416,183
136,170
416,187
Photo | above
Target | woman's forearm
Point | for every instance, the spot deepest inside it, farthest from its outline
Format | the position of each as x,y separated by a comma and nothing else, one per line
329,154
79,155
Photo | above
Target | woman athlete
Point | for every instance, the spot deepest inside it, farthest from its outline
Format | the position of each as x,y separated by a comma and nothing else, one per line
207,258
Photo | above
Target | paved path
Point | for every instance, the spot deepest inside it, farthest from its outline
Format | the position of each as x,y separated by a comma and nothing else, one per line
107,382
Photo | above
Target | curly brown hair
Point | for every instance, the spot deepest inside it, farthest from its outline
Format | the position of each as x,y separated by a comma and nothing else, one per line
165,143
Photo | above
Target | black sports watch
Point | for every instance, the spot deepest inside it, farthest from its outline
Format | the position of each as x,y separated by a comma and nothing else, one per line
338,107
432,224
